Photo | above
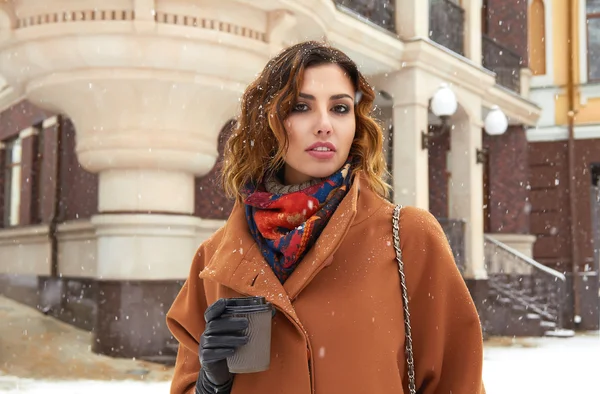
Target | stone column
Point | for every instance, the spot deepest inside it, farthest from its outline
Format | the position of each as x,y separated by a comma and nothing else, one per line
466,189
473,30
412,18
410,118
148,89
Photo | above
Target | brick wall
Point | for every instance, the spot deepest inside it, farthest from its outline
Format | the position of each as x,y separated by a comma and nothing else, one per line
507,23
550,216
438,176
509,205
19,117
46,198
78,188
210,199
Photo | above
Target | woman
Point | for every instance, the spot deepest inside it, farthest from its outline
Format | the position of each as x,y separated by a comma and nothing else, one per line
311,231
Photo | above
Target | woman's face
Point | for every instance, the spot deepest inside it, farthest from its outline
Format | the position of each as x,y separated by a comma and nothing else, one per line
321,125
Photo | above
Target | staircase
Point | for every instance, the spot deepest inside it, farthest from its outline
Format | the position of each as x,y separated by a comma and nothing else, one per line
525,298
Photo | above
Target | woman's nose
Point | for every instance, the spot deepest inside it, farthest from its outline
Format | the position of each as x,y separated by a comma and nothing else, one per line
324,126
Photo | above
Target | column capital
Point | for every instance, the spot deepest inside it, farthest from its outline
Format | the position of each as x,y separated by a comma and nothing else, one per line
138,100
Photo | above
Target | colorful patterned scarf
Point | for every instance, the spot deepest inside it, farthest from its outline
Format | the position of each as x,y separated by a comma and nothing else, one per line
286,225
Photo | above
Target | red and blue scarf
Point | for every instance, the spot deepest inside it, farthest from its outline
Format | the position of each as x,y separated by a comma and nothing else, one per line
286,226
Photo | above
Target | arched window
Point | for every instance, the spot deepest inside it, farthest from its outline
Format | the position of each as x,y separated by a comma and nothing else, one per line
537,37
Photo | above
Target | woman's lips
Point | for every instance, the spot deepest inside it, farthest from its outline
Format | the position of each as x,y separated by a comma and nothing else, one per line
321,154
321,150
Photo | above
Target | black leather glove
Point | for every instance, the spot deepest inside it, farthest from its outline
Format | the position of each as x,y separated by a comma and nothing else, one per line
221,337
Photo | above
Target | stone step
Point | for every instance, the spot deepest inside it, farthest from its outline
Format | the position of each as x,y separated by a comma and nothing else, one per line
533,316
560,333
548,324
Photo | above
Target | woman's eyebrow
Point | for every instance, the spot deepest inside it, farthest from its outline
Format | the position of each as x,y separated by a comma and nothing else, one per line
334,97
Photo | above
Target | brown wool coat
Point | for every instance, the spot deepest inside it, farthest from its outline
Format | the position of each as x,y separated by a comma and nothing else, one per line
339,322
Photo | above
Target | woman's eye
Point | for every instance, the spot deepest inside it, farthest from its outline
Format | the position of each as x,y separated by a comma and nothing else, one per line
300,107
341,109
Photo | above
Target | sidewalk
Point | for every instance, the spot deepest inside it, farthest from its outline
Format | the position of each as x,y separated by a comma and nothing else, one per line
34,346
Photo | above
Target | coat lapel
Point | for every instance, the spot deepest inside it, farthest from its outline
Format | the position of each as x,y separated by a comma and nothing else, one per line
238,264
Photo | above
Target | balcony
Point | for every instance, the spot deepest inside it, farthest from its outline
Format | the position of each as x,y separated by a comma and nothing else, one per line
447,25
504,62
378,12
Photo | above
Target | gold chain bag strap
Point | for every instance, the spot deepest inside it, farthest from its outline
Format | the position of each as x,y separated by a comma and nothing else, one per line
409,348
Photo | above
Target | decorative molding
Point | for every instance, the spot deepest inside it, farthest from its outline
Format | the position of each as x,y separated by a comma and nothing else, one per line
560,133
28,132
49,122
209,24
75,16
129,15
9,235
589,91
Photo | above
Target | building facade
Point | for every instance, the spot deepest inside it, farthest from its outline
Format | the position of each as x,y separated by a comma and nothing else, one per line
564,148
114,114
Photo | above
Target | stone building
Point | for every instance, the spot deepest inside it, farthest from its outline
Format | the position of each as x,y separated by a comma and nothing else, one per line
564,148
114,113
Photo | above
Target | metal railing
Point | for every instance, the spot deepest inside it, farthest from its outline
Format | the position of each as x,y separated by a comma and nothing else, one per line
447,25
455,232
379,12
503,61
527,283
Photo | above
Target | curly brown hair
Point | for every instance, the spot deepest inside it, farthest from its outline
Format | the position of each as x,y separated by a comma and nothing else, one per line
259,141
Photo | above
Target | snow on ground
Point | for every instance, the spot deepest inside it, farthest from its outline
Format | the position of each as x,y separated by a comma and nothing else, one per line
544,365
15,385
520,366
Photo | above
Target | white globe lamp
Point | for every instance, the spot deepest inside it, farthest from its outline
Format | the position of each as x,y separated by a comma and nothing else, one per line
443,102
495,122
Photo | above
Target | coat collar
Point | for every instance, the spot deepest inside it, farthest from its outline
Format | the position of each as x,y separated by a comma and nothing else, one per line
238,263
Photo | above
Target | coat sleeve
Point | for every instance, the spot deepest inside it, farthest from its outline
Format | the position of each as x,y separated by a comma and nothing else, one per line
446,331
185,320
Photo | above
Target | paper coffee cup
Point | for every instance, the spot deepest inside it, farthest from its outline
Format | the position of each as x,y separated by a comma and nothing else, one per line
255,356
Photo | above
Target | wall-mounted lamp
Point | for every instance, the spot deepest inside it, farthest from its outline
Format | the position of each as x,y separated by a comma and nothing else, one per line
443,104
496,123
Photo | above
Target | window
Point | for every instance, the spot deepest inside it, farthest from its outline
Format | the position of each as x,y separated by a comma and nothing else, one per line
12,182
593,41
537,37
